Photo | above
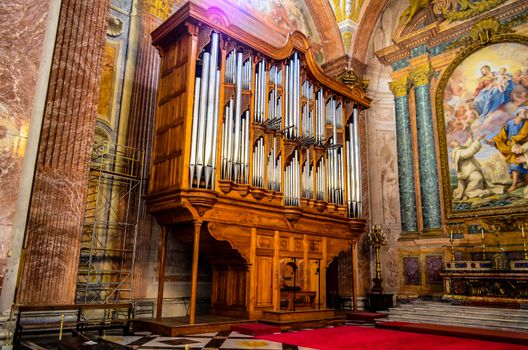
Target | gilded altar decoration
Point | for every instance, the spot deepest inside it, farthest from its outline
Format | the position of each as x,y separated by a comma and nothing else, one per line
481,33
350,79
482,110
458,10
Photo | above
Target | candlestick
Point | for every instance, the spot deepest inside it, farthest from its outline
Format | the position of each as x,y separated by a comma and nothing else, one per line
376,238
451,234
524,243
483,246
482,233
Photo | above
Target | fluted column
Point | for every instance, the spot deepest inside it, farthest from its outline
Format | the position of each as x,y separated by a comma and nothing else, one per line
137,127
399,88
58,198
426,148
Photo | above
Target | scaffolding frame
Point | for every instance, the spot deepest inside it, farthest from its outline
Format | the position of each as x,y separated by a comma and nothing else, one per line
108,241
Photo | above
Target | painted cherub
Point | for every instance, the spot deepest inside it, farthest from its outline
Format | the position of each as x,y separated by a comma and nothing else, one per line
503,79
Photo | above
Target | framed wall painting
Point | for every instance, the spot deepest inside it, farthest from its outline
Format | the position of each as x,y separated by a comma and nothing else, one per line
482,115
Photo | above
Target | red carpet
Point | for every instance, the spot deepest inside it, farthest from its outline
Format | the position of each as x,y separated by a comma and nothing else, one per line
351,337
255,329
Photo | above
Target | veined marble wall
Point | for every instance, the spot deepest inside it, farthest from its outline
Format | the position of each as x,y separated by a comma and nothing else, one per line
22,30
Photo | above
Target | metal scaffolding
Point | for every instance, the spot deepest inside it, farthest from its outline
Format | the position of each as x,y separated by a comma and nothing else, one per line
108,242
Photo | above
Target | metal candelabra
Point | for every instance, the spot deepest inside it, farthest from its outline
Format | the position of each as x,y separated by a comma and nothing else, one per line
376,238
483,239
523,236
454,230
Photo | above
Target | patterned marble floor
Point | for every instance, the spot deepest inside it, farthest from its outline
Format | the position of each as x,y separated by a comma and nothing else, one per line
225,340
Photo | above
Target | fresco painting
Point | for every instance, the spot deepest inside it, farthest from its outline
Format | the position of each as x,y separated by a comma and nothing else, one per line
485,116
285,15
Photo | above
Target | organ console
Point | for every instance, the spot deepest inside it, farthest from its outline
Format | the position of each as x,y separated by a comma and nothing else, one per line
260,150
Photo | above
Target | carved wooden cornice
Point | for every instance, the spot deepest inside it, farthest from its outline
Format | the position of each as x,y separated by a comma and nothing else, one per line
217,20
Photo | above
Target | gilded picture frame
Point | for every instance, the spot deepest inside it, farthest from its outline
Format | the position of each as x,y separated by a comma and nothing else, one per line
482,113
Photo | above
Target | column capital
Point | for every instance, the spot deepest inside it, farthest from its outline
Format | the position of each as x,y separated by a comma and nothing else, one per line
400,86
422,74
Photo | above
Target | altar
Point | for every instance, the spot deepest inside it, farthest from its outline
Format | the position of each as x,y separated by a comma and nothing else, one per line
486,281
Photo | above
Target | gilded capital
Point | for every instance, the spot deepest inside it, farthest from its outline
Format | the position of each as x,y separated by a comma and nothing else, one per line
421,74
400,87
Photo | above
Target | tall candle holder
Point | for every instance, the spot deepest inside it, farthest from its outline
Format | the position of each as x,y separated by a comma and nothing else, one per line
451,240
376,238
523,236
483,239
454,230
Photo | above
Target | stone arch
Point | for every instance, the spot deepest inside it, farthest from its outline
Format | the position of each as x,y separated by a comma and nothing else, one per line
367,24
325,22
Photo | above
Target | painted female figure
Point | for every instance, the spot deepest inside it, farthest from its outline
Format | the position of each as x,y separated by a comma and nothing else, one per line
489,96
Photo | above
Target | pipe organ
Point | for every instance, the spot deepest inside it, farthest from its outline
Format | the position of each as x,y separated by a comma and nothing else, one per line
257,145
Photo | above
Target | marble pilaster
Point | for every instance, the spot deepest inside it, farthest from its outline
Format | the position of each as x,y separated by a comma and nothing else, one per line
405,155
56,208
429,191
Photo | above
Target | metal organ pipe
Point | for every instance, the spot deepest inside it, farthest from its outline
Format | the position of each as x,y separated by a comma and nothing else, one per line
258,163
357,162
205,118
202,115
196,110
354,167
238,107
215,127
319,117
210,148
260,92
308,118
291,181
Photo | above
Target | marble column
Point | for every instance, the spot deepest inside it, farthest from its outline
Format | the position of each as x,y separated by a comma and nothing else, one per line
399,88
139,126
56,210
432,218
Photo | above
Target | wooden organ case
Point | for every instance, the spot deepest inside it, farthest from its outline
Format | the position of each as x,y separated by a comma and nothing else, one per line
256,161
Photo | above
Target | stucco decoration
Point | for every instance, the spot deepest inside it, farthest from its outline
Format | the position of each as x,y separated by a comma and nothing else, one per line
457,10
